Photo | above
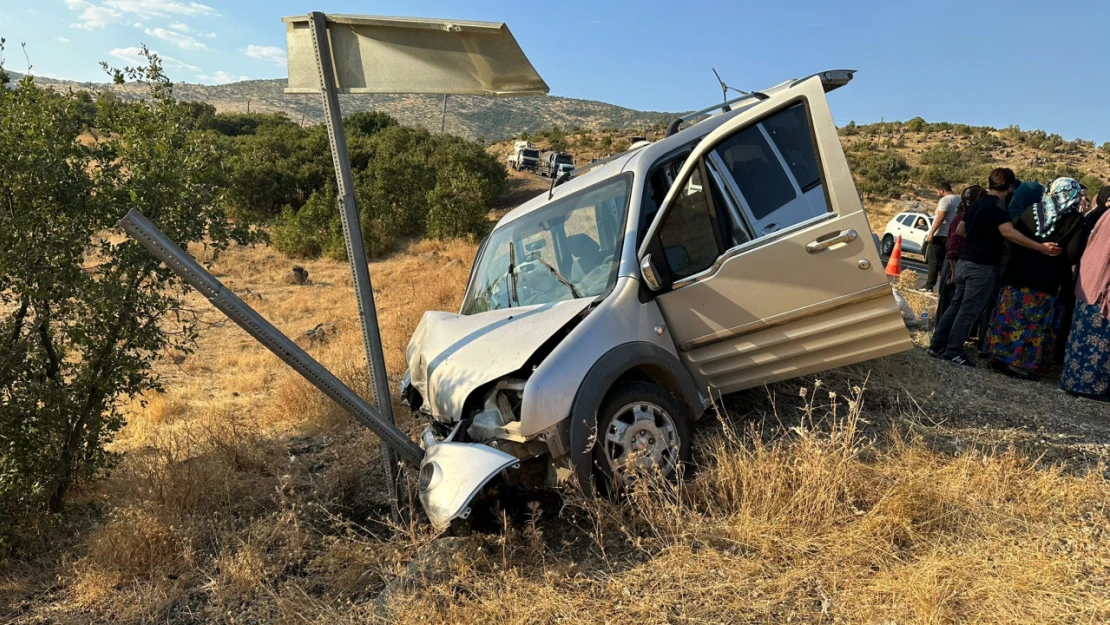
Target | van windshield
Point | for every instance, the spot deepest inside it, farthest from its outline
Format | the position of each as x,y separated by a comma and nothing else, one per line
566,250
564,158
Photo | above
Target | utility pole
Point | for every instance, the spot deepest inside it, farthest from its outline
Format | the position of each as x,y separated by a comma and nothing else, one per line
248,106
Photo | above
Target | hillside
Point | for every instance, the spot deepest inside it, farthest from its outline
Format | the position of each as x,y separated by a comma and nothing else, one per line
895,164
467,116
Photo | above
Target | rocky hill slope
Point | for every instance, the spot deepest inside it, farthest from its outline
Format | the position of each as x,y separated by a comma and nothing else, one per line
468,116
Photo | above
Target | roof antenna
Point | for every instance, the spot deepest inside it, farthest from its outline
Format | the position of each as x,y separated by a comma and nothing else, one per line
724,93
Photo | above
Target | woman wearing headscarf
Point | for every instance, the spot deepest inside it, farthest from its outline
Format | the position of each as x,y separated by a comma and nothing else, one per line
1023,327
954,244
1087,361
1091,216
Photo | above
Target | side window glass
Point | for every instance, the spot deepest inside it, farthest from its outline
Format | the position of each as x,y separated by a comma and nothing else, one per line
790,132
686,233
774,166
757,171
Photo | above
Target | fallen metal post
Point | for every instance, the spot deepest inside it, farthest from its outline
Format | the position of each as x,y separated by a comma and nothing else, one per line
154,240
356,248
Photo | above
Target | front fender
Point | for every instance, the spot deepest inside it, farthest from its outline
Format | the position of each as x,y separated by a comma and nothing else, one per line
664,368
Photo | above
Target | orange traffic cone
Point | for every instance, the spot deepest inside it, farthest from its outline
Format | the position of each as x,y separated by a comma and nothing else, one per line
894,263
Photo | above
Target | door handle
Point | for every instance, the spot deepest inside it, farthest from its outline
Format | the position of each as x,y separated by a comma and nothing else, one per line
844,236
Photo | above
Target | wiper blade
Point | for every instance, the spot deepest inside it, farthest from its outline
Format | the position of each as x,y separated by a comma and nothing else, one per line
512,272
558,276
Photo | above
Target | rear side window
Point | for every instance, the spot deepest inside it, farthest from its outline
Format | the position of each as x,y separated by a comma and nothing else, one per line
906,220
757,171
773,164
790,132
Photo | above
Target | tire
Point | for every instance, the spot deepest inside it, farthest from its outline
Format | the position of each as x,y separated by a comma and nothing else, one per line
888,245
634,424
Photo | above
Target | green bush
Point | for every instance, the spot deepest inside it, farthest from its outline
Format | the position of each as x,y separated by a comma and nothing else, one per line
878,174
458,204
78,338
408,182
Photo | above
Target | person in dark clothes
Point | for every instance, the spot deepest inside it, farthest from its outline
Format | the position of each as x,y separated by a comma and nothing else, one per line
1023,329
953,246
1091,215
985,227
937,237
1087,364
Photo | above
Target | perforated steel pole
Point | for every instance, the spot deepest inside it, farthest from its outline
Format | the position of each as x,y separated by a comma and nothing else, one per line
154,240
352,233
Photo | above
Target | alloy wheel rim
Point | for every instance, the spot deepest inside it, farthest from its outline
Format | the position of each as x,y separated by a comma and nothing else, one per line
641,437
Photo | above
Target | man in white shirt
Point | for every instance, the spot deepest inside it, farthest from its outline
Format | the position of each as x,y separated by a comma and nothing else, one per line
938,235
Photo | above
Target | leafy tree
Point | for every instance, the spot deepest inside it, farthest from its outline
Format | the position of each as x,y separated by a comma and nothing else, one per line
367,123
408,182
458,204
83,313
916,124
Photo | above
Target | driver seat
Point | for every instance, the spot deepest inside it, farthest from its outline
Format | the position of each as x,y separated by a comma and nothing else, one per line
586,253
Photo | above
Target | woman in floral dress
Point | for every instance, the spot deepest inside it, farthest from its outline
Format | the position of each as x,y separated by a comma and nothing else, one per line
1087,361
1022,332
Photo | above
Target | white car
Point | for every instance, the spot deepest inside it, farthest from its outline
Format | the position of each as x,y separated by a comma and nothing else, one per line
912,226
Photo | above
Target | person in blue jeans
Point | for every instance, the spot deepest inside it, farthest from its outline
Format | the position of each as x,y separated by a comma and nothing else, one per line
986,227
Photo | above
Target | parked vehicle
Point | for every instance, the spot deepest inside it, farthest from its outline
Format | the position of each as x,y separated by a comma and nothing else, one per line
912,226
525,156
553,163
598,317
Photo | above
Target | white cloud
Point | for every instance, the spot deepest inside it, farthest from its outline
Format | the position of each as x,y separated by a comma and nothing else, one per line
109,12
221,78
135,55
185,42
184,28
92,17
62,39
269,54
160,8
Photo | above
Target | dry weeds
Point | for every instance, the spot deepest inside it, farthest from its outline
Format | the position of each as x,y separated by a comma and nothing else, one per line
243,496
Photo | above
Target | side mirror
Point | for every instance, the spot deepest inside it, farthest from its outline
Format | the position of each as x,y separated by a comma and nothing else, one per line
647,270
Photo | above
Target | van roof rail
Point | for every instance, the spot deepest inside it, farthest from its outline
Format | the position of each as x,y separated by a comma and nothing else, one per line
831,79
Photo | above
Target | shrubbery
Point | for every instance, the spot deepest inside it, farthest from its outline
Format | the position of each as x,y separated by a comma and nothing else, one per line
83,315
408,182
878,173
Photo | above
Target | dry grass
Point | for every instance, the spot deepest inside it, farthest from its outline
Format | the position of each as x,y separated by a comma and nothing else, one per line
243,496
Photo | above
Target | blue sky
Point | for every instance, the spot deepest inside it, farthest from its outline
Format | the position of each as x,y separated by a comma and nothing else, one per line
944,60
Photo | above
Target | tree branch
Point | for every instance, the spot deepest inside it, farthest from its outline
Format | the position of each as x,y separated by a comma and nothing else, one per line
53,365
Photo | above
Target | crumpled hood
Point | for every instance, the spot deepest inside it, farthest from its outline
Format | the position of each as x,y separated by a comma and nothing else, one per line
450,354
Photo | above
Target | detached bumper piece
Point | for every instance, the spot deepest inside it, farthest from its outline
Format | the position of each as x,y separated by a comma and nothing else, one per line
451,474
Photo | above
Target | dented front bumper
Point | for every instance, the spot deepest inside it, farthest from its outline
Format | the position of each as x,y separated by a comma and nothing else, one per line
451,474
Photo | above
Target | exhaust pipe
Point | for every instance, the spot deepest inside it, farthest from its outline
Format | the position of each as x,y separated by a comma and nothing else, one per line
158,244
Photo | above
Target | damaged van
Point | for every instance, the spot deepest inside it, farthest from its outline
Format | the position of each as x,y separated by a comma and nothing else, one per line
600,317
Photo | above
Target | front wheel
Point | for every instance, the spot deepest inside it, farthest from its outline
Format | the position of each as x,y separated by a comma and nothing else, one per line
888,245
642,428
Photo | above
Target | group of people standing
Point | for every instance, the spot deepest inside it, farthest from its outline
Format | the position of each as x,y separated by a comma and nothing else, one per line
1026,269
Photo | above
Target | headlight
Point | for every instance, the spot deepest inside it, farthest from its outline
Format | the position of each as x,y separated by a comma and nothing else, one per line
428,474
